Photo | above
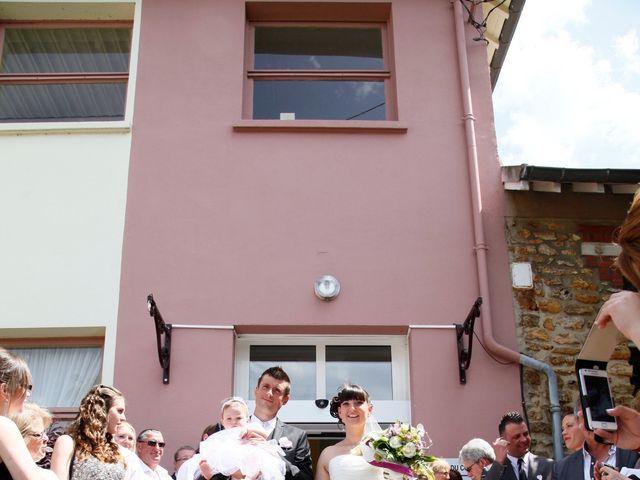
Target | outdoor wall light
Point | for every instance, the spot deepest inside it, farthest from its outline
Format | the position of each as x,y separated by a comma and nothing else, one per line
327,287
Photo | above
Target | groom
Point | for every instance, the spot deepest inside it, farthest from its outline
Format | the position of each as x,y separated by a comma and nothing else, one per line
272,393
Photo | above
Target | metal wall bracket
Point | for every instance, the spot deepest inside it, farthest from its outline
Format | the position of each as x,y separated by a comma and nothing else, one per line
464,354
164,347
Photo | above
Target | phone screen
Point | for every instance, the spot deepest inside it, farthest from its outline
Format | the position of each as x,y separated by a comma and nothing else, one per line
598,398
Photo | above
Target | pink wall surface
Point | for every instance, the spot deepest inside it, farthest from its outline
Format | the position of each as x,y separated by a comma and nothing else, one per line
232,228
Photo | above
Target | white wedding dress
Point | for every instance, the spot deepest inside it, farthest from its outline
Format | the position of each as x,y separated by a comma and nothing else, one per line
353,467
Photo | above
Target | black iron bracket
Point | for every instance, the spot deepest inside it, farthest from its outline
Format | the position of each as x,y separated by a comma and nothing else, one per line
164,347
464,354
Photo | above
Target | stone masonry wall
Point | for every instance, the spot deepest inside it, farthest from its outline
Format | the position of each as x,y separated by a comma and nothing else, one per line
554,317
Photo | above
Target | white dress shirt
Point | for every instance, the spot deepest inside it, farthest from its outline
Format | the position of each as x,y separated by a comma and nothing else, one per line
267,426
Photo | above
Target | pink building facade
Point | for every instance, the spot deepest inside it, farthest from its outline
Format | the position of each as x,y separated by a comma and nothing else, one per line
232,214
224,156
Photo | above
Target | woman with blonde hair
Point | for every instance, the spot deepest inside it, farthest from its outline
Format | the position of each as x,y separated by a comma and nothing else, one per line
33,422
623,308
89,450
126,436
15,387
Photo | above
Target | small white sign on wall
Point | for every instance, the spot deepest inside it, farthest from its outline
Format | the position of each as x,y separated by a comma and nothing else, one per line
521,275
288,116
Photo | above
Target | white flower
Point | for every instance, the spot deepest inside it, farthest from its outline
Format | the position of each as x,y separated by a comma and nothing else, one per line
357,450
395,442
285,443
409,450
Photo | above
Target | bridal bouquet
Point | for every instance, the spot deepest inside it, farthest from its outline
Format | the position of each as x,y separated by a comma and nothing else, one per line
399,450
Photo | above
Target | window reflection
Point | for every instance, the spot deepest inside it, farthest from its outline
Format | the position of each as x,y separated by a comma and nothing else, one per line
319,99
48,50
62,102
299,361
368,366
318,48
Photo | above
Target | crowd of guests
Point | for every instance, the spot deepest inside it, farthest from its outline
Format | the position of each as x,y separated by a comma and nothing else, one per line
100,444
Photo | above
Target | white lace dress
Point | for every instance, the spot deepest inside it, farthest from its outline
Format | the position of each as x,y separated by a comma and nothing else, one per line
353,467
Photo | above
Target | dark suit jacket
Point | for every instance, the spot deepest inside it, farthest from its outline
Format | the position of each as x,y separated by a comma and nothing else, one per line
537,466
572,467
297,457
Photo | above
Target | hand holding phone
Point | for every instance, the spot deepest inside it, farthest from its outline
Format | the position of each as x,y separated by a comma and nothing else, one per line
596,399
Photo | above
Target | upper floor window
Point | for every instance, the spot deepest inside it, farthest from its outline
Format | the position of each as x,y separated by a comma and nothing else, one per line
56,72
319,70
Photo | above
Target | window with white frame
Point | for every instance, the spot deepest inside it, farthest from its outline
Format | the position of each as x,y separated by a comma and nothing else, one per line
54,72
318,366
319,66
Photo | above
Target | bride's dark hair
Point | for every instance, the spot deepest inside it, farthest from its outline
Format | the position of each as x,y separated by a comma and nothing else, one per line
345,393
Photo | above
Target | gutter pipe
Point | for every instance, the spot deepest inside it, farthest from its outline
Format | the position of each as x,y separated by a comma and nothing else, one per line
480,244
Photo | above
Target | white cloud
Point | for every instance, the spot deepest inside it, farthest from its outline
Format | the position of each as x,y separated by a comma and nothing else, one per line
628,49
559,100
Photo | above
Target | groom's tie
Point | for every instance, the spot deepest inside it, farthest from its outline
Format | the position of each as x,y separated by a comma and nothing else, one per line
522,475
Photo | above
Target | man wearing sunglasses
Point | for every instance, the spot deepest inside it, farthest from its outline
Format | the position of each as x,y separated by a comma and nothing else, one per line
476,457
150,448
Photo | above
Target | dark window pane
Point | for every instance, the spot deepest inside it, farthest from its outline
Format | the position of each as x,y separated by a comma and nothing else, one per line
63,50
62,102
316,48
367,366
299,361
319,99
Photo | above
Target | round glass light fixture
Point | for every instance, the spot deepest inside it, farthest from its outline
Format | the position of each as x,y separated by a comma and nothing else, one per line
327,287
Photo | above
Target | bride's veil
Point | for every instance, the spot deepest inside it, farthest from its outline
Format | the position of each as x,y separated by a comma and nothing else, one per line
372,425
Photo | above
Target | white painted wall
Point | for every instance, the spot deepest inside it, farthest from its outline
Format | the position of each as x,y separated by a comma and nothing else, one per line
63,189
62,205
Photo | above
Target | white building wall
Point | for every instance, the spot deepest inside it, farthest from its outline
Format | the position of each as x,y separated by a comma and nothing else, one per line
63,190
62,204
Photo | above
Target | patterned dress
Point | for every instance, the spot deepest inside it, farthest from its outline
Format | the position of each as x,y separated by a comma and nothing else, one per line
91,468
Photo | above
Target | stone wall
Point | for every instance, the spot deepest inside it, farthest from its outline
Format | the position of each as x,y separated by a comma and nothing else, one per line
554,317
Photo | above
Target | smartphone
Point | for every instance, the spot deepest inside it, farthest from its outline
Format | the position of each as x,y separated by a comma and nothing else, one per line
597,399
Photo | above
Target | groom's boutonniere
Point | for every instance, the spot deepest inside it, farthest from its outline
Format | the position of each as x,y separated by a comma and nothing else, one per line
285,443
539,477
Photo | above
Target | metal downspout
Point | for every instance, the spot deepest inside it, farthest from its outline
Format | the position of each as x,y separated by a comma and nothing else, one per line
480,245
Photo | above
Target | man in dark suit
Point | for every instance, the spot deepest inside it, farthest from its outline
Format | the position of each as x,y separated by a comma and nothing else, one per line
580,465
514,461
272,393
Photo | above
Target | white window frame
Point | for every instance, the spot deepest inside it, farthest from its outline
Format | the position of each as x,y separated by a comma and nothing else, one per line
305,411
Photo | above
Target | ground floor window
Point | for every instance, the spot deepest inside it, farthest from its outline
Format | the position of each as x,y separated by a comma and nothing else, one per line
61,375
319,365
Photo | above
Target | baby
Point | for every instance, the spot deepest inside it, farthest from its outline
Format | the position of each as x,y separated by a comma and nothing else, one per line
240,450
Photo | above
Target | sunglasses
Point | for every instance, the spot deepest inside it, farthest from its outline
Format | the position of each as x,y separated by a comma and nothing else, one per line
38,434
154,443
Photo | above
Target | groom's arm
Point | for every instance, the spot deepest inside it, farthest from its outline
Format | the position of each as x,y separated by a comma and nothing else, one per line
299,468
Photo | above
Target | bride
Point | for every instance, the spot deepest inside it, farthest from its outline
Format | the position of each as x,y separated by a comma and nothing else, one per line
352,409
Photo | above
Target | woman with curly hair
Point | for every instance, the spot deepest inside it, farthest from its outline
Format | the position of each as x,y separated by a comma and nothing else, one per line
89,450
15,386
352,409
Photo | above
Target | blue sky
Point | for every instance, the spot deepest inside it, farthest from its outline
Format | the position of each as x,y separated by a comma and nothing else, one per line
569,92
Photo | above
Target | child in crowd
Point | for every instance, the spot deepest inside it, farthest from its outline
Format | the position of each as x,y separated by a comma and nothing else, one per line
240,450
